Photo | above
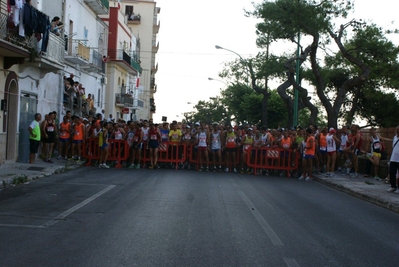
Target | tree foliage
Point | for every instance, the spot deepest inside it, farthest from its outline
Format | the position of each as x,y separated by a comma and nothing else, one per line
345,64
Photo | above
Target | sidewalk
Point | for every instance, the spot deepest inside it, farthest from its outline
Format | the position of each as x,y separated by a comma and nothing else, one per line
15,173
367,189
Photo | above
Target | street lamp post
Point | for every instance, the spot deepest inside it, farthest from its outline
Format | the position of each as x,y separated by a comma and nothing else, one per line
295,117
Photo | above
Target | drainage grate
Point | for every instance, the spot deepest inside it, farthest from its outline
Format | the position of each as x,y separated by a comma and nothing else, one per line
35,169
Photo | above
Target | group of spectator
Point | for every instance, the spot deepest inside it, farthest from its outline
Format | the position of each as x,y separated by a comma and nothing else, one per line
75,97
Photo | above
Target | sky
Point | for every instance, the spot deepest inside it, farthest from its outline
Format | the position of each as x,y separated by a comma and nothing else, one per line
187,57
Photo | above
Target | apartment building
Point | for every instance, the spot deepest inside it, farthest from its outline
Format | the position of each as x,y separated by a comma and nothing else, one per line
142,19
123,96
35,60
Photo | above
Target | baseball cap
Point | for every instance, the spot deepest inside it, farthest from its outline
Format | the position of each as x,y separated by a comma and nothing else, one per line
197,123
332,130
249,129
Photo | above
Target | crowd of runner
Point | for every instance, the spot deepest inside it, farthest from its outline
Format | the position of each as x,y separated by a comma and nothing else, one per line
320,149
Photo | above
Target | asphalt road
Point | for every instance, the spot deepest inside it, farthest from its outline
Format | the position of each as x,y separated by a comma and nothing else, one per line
107,217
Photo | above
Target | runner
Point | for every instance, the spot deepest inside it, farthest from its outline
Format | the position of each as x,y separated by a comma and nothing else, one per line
332,142
230,147
136,146
216,147
104,145
203,146
308,156
65,134
247,142
50,132
153,143
78,137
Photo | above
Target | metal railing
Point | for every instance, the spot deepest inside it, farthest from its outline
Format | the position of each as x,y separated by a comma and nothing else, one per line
10,34
83,51
97,59
124,99
55,49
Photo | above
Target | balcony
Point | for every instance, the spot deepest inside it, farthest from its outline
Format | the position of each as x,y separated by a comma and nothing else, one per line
13,47
154,69
79,54
140,104
155,26
155,47
134,19
95,64
124,60
54,57
124,100
101,7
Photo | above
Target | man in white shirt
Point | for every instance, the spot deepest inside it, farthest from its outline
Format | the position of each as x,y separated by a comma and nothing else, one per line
394,163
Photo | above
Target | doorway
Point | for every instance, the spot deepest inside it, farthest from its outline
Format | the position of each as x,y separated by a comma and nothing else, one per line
27,111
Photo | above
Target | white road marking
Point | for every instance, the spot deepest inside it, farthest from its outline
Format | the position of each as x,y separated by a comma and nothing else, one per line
291,262
266,227
63,215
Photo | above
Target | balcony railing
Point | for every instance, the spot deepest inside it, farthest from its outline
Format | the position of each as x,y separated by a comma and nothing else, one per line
97,60
101,7
83,51
79,54
119,55
134,19
55,49
124,100
155,26
140,103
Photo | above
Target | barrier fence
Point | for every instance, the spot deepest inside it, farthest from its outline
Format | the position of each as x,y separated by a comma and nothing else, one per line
256,158
168,152
118,151
265,158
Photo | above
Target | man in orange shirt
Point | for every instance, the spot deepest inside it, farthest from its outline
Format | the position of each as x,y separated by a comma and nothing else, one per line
309,154
65,133
78,137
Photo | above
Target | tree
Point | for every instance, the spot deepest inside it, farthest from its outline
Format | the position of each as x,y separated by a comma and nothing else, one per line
336,84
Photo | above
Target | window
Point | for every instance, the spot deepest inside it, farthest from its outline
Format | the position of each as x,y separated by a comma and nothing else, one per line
129,12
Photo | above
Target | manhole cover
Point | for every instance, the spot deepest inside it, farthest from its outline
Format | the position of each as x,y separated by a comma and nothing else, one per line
35,168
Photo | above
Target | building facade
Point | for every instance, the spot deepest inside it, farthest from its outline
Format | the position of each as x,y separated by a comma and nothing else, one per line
142,18
35,61
96,44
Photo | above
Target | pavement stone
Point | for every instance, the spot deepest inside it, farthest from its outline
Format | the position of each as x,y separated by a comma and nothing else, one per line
366,189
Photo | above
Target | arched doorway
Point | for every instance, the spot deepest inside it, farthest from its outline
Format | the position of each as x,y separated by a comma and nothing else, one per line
10,122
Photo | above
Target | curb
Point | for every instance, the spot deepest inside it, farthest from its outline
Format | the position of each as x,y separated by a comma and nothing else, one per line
359,193
22,178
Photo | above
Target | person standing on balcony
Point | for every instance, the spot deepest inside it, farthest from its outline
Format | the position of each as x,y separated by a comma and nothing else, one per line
56,25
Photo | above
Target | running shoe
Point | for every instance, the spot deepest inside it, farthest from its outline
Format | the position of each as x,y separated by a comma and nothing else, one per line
226,170
377,178
308,179
105,166
391,189
301,178
235,170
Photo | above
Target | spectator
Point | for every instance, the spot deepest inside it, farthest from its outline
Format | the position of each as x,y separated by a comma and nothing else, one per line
394,163
56,26
34,138
110,119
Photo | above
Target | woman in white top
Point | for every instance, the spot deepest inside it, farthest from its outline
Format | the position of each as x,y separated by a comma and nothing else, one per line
216,147
332,142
